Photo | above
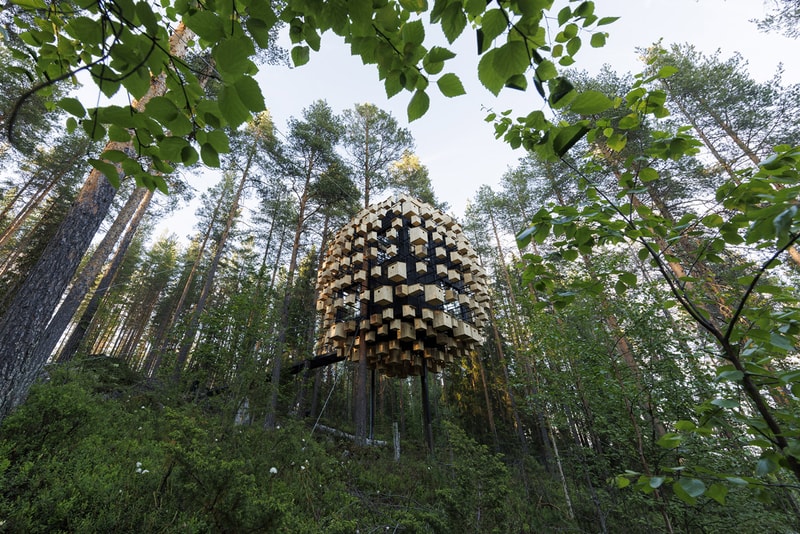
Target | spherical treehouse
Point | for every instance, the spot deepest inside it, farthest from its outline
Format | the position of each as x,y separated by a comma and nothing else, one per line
401,279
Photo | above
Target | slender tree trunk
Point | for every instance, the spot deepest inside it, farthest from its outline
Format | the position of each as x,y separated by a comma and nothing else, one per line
272,409
133,210
222,242
160,346
70,347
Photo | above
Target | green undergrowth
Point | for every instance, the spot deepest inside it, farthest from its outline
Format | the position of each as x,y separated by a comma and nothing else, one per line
98,449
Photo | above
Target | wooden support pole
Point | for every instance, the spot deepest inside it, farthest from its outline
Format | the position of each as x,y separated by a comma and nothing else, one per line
372,405
426,408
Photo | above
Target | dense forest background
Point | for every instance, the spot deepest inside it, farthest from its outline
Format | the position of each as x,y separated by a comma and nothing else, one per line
640,370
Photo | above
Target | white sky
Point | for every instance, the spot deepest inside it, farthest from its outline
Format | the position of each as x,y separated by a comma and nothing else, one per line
453,140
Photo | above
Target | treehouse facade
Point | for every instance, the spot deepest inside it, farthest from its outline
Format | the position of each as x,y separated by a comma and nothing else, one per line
402,286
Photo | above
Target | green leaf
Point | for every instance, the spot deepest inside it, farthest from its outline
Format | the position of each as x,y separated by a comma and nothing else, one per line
648,174
209,155
107,169
781,342
512,58
453,21
717,492
147,17
725,403
685,426
85,29
250,94
546,70
692,486
656,482
573,45
606,20
206,24
622,482
219,140
300,55
450,85
733,376
617,141
524,237
562,92
564,15
439,53
162,109
189,155
598,40
72,106
518,82
487,73
232,57
765,466
666,71
567,137
590,103
415,6
670,440
493,23
413,32
171,148
259,30
231,106
31,4
682,494
418,105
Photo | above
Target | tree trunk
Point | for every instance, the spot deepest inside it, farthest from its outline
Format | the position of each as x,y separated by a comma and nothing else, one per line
133,209
211,274
70,347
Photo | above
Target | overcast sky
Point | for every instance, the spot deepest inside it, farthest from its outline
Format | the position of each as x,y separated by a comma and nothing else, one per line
453,140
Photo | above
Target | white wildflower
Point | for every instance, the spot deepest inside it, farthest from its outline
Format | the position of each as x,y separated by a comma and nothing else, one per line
273,470
302,468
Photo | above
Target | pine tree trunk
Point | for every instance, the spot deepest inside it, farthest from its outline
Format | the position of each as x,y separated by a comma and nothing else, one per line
70,347
211,274
134,208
